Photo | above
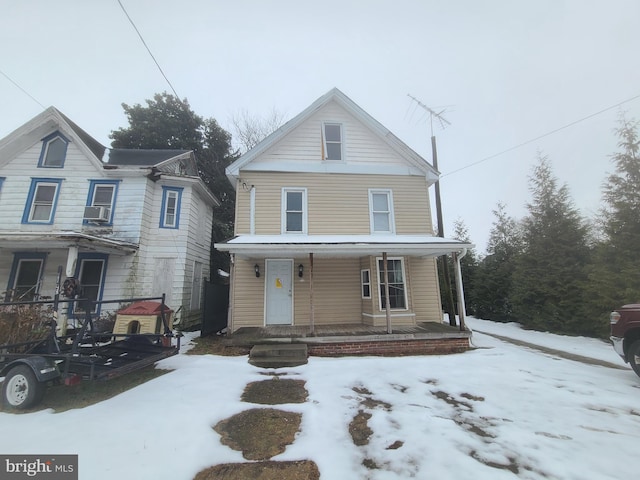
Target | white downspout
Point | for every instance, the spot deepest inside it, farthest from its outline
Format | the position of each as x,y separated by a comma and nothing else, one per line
232,281
461,308
252,210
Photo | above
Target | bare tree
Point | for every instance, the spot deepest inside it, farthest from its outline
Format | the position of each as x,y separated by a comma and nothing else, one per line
251,129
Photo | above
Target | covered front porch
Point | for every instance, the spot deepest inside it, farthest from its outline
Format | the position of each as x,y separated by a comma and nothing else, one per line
327,283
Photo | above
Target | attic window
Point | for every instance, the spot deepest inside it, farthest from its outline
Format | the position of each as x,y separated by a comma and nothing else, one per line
332,137
54,151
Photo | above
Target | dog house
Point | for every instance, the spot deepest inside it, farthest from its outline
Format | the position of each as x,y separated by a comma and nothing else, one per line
142,317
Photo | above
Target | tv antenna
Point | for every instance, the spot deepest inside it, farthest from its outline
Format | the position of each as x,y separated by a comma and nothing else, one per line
448,294
432,113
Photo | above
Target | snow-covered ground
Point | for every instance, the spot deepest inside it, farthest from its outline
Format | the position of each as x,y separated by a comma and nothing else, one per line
483,414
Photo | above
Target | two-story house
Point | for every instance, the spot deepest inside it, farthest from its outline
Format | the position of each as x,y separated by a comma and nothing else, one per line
125,223
320,205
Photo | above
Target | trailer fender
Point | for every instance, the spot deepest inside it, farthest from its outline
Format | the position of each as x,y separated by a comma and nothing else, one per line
43,368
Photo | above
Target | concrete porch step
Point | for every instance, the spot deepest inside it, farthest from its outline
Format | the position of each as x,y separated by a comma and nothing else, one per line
278,356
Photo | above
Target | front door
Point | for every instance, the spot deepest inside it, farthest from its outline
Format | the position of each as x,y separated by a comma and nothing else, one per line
279,292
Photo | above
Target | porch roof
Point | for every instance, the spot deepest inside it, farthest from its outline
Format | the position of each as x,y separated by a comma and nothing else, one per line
293,245
49,240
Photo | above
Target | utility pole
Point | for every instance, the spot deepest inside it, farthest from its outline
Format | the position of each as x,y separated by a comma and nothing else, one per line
449,305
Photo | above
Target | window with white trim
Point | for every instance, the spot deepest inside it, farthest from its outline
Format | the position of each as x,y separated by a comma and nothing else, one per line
170,213
381,211
42,200
332,137
365,280
397,290
294,210
54,151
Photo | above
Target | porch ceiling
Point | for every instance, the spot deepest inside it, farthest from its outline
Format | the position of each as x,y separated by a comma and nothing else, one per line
287,246
50,240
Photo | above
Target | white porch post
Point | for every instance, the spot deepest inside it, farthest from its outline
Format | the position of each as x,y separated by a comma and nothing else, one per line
70,271
386,293
458,274
72,260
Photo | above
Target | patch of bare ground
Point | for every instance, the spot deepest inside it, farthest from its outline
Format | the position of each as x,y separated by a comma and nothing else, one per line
359,429
259,433
512,466
300,470
61,398
215,345
276,391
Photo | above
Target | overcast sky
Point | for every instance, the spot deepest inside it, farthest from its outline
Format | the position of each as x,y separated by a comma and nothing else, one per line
504,71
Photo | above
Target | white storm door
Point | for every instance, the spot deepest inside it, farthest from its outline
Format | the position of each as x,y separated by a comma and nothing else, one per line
279,292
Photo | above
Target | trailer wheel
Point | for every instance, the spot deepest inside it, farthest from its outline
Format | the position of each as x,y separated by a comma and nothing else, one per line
21,389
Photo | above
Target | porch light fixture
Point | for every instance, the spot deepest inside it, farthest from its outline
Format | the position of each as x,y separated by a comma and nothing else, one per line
257,269
300,270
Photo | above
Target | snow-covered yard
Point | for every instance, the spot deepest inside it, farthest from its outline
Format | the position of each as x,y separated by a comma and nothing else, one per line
500,411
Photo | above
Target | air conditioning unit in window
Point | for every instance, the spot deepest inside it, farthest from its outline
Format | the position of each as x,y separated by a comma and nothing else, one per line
97,214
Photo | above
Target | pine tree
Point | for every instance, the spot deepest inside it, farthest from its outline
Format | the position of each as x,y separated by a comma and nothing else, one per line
492,288
550,275
468,265
615,274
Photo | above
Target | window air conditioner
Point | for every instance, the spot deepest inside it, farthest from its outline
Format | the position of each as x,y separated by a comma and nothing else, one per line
97,214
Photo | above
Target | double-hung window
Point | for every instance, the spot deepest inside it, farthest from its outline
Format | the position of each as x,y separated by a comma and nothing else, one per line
294,210
332,138
397,290
54,151
170,212
365,279
42,200
381,211
102,193
24,279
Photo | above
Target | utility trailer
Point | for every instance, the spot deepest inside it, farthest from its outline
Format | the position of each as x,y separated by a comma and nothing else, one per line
86,354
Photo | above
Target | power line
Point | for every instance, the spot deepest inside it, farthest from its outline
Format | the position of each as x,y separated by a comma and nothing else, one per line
22,89
540,136
148,50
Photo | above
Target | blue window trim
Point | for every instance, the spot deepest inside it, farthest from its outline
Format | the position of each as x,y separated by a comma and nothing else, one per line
92,187
165,192
14,268
91,256
45,143
30,198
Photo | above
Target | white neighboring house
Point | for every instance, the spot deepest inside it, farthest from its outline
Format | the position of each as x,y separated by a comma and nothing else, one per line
126,223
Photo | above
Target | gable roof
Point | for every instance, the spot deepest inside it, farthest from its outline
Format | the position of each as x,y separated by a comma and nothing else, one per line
349,105
43,124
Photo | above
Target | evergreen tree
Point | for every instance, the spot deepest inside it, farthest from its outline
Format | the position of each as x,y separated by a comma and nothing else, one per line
492,288
615,274
468,266
550,275
168,122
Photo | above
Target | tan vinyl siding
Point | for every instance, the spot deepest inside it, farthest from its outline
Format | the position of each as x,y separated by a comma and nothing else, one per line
336,292
248,295
360,145
337,203
425,289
